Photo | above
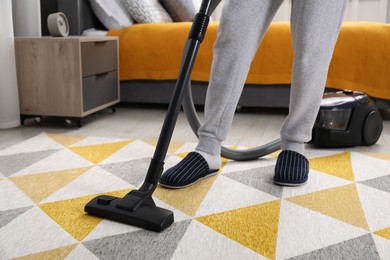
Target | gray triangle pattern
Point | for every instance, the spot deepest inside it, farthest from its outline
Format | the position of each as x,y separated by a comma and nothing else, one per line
357,248
258,178
141,244
133,172
7,216
10,164
381,183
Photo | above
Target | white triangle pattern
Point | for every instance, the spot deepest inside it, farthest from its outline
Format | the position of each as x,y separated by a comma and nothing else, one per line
302,230
376,206
227,194
11,197
234,166
32,232
366,167
317,153
61,160
383,247
109,228
37,143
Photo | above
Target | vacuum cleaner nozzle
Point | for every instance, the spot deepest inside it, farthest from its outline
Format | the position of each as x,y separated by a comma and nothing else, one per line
146,216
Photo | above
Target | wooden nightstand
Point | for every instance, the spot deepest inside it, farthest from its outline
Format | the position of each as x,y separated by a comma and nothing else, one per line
68,77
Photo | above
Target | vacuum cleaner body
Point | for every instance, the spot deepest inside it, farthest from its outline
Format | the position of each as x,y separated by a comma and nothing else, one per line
347,118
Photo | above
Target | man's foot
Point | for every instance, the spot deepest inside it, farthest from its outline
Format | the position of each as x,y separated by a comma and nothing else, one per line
188,171
292,169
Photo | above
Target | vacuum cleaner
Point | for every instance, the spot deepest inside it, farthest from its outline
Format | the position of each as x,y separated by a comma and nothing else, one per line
347,118
137,208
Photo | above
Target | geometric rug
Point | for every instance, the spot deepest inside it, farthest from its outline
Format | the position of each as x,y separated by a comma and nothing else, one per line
343,212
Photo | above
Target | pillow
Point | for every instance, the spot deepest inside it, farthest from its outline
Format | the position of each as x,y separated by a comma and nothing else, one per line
94,32
111,13
147,11
180,10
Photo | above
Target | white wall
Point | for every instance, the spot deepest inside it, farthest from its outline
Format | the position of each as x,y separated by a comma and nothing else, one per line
367,10
388,12
357,10
27,17
9,100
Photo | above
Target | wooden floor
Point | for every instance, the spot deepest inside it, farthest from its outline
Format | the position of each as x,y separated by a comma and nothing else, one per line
251,127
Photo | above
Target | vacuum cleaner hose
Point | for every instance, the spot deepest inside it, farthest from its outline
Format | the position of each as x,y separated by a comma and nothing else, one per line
237,155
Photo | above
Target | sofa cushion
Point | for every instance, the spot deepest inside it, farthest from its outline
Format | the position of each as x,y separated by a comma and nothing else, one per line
147,11
111,13
180,10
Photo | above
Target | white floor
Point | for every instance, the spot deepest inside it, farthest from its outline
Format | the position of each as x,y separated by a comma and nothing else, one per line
251,127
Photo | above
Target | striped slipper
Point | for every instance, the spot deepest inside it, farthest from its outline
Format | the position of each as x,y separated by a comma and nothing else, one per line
188,171
292,169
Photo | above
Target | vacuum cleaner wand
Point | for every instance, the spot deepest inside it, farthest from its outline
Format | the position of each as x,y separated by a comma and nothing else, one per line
137,208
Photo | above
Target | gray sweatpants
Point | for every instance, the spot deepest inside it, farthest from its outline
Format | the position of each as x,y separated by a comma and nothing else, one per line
315,25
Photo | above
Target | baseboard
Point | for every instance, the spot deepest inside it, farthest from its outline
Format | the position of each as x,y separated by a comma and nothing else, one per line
11,124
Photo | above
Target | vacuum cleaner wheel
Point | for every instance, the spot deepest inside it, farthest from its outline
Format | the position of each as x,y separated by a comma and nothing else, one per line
372,128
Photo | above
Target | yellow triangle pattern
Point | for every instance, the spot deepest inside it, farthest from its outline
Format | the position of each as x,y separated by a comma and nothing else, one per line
384,233
186,200
189,199
173,145
182,155
384,156
232,147
66,140
100,152
255,227
275,154
339,165
342,203
70,215
58,253
40,186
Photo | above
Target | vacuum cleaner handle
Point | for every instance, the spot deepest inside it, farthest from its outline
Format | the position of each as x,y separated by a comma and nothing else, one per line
196,36
209,6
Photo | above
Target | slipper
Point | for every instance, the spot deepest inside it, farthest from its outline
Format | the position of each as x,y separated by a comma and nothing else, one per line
188,171
292,169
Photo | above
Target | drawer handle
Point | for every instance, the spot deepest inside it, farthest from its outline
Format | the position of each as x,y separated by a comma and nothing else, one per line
101,74
101,42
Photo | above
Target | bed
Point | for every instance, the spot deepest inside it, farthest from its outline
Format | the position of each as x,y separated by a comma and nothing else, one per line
148,74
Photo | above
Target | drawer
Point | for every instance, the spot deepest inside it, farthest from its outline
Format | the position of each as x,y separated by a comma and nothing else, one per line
100,89
98,57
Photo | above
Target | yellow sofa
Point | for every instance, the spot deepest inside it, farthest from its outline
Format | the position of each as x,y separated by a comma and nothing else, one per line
361,59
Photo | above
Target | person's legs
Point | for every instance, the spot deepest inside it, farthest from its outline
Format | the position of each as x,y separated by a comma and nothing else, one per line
241,30
242,27
315,25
